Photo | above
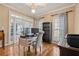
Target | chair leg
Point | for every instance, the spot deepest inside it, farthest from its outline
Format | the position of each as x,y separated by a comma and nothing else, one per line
24,50
40,50
19,50
35,51
3,43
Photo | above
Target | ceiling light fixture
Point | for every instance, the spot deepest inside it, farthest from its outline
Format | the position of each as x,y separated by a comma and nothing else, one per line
33,6
33,10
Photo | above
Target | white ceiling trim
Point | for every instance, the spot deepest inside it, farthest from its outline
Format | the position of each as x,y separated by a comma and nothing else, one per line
49,12
10,7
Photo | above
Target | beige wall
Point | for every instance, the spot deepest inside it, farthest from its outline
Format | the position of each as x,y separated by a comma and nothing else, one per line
71,22
4,19
76,28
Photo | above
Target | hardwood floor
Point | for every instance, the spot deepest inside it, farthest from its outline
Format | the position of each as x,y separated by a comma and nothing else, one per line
13,50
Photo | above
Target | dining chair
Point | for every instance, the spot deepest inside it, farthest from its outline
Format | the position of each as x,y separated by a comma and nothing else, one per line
23,44
2,37
38,43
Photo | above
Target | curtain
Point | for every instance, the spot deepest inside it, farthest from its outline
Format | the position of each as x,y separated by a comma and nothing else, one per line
59,28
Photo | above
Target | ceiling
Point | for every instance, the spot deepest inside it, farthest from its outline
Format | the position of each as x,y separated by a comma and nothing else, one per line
24,8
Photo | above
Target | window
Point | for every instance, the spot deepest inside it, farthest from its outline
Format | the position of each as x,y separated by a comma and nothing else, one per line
17,25
59,28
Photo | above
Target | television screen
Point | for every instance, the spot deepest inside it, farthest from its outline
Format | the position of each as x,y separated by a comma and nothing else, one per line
34,30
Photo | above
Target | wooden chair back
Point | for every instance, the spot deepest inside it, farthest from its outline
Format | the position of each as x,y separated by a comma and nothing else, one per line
1,35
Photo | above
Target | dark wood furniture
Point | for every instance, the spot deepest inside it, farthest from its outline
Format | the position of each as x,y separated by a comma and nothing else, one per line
68,51
2,38
47,28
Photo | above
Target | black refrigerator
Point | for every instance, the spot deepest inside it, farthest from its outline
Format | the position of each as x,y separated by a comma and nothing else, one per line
47,28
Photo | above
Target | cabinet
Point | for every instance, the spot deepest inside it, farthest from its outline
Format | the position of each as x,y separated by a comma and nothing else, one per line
47,28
